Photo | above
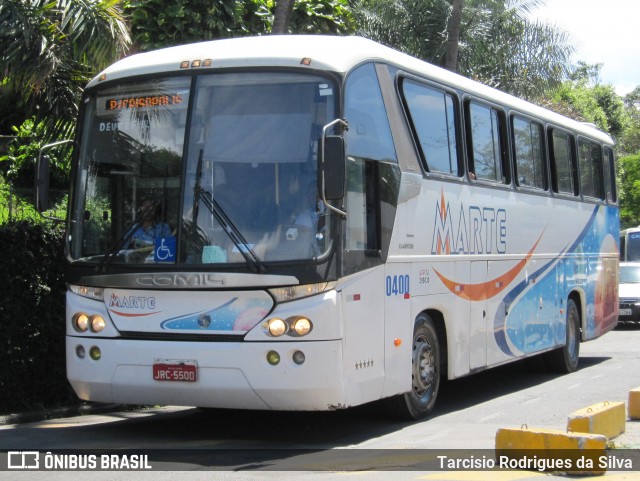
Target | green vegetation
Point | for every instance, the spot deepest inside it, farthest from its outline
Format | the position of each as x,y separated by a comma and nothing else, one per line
31,317
49,49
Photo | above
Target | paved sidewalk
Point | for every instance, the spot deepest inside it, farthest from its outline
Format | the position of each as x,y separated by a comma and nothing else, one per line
63,412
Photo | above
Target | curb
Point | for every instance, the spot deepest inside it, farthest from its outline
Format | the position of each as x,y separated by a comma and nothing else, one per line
607,418
634,404
63,412
570,453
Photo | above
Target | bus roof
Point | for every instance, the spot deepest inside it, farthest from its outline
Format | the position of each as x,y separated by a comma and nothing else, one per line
333,53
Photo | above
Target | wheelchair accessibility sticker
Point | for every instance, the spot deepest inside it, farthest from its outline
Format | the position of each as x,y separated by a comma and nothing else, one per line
164,249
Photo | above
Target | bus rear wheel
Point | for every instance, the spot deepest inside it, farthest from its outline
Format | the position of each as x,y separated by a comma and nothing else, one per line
425,374
565,359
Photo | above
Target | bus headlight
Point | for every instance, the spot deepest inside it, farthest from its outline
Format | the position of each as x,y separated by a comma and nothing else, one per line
83,322
301,326
296,326
276,327
80,322
98,323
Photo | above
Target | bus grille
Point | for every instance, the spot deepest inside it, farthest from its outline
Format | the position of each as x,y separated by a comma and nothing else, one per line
172,336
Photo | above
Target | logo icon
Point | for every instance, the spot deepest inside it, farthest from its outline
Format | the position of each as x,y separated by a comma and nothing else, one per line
23,460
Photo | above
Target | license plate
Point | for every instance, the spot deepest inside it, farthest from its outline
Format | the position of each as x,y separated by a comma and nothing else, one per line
179,371
626,312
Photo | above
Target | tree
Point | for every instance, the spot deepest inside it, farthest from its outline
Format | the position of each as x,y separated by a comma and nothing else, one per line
164,23
49,49
453,36
629,175
630,140
331,17
508,51
584,98
498,45
282,16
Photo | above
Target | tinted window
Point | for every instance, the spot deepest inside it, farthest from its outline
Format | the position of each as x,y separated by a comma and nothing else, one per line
527,141
432,114
369,135
609,175
368,142
485,142
590,161
562,161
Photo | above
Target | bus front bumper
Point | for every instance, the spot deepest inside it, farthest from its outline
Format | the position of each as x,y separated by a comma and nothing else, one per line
227,374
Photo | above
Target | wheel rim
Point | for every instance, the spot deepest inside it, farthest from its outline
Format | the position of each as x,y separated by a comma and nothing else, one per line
572,337
424,366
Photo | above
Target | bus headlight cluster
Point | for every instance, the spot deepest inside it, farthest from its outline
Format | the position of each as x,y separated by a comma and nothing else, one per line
84,322
296,326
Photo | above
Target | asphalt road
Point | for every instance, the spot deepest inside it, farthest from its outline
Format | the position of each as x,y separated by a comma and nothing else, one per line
468,413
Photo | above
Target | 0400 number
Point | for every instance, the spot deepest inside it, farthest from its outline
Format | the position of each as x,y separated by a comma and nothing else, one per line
397,285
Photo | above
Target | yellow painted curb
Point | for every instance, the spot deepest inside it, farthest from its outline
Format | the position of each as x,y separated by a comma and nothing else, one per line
607,418
550,450
634,403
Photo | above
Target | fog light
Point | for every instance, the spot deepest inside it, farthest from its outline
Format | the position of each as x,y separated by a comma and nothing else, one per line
81,322
97,323
277,327
299,357
273,358
80,352
302,326
95,353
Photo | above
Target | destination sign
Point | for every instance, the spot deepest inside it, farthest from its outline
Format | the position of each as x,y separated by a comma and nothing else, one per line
143,102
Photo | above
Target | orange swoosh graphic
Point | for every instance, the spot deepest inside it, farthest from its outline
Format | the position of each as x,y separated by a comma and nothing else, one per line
489,289
128,314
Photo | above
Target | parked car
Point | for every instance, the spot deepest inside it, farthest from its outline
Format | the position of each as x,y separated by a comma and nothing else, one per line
629,293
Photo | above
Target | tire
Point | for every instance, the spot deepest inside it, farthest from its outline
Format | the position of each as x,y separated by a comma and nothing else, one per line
425,374
565,360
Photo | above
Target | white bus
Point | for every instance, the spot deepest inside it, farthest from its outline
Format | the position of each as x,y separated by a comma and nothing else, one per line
313,223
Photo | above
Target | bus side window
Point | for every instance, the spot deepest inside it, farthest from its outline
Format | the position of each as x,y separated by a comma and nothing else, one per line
562,163
486,149
609,176
432,117
369,144
590,162
528,151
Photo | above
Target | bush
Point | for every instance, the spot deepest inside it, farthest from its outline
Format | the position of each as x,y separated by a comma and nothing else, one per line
32,313
19,164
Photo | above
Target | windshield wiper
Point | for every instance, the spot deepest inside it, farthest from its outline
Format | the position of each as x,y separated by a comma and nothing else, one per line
118,244
200,194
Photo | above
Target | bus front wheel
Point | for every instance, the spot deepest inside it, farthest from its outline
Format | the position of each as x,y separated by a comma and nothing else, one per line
425,373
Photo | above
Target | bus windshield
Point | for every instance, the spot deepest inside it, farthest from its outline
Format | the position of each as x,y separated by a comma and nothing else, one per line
217,169
633,247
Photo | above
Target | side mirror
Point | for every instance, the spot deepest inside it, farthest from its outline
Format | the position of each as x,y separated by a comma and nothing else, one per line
42,176
42,183
332,168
